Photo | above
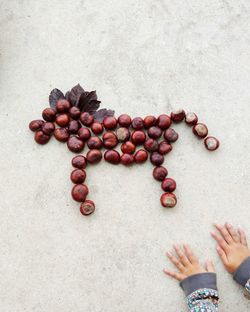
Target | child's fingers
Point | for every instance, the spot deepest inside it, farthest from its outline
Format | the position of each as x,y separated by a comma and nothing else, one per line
232,232
220,241
173,274
224,232
210,266
222,255
181,255
243,238
191,256
175,261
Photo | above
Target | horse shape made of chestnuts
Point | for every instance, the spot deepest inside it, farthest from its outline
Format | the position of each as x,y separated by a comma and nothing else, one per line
75,118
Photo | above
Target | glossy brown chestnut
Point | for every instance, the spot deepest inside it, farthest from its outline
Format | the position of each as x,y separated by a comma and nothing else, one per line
171,135
49,114
168,185
94,156
112,157
138,137
109,122
86,119
127,159
191,119
200,130
122,134
128,147
154,132
211,143
97,127
74,112
75,145
149,121
35,125
178,115
151,145
79,162
61,134
168,200
62,120
79,192
84,133
109,139
160,173
62,106
163,121
78,176
124,120
164,148
41,138
73,126
137,123
87,207
156,159
140,156
48,128
94,143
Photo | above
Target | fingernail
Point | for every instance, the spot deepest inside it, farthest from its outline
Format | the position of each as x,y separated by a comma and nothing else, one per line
168,253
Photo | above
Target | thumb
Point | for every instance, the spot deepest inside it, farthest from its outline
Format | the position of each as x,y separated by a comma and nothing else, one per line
210,266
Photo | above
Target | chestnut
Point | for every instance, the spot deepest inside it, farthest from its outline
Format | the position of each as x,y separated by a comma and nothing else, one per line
163,121
137,123
191,119
200,130
168,200
94,143
97,127
164,148
94,156
149,121
128,147
178,115
171,135
84,133
140,156
168,185
122,134
79,162
62,106
75,145
154,132
156,159
74,112
61,134
151,145
49,114
78,176
73,126
62,120
79,192
110,122
86,119
112,157
35,125
138,137
127,159
211,143
48,128
124,120
41,138
87,207
160,173
109,139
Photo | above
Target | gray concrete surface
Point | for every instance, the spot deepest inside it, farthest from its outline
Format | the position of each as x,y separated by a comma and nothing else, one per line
142,57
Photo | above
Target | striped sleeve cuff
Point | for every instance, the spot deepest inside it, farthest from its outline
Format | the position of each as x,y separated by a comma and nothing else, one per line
242,274
199,281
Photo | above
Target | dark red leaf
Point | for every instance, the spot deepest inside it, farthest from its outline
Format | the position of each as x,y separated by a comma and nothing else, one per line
74,94
88,102
54,96
102,113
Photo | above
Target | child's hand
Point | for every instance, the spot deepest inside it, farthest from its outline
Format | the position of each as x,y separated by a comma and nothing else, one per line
186,263
232,246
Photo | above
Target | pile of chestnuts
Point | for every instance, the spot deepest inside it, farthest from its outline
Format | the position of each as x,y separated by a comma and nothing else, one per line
139,139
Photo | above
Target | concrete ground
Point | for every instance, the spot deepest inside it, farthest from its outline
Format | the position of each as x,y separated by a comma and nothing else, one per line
142,57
